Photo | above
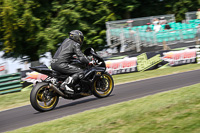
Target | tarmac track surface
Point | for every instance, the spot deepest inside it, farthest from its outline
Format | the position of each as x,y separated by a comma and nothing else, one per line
26,115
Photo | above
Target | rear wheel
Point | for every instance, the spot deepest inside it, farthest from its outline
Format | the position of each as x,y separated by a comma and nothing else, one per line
103,87
43,98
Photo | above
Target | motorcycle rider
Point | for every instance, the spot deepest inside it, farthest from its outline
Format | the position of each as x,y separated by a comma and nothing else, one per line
62,60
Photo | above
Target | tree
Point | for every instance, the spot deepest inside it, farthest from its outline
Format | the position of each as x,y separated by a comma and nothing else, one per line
180,7
20,29
88,16
29,28
162,7
32,27
124,9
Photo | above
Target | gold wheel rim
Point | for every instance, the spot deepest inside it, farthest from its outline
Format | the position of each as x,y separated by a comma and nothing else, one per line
109,87
43,103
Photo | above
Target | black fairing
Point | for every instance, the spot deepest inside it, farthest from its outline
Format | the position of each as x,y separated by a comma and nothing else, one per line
42,69
90,51
45,70
92,71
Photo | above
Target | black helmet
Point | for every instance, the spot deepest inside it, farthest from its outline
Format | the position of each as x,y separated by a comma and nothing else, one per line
77,36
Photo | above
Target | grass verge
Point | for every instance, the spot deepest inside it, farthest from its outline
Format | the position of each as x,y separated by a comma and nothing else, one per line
168,112
22,98
13,100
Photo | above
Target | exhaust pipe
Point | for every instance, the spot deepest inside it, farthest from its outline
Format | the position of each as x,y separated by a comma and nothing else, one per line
57,90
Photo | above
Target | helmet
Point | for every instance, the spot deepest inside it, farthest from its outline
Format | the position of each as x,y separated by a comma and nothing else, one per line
77,36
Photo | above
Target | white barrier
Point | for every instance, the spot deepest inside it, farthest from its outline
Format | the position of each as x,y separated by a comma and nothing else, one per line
141,63
121,65
180,57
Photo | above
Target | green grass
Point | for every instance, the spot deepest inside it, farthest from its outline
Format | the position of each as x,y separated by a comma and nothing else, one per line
22,98
177,49
174,111
16,99
118,57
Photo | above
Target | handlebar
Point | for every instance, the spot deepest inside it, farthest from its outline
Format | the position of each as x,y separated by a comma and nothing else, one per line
95,63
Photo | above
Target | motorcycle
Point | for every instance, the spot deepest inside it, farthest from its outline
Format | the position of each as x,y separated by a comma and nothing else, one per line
45,94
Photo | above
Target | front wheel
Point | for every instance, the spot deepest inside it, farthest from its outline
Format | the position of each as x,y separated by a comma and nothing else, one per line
43,98
103,87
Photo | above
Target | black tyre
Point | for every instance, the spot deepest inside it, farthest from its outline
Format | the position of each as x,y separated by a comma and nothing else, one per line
43,98
103,87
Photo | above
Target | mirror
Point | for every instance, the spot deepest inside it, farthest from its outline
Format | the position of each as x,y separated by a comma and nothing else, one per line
89,51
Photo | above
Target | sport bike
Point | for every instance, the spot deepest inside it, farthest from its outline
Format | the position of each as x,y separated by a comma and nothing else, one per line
96,81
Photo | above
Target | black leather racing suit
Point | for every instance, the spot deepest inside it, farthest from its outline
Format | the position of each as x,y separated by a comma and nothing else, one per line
63,57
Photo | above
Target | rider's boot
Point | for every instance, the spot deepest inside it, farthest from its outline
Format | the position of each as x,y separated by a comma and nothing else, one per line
67,85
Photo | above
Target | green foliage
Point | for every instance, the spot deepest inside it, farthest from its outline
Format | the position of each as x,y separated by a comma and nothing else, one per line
180,7
20,28
29,28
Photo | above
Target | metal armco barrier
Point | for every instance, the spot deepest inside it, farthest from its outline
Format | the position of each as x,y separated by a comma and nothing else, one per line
10,83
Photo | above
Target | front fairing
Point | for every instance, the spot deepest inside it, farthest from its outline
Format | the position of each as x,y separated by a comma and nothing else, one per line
100,61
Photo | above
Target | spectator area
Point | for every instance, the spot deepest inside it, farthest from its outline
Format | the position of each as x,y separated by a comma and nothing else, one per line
179,31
